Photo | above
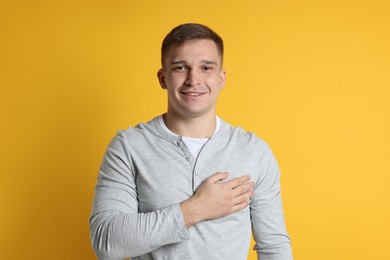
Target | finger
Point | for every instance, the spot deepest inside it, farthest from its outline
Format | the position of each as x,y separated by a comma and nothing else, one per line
240,206
238,181
243,197
243,188
218,177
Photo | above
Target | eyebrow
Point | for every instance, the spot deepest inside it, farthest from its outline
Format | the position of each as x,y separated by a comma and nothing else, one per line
202,61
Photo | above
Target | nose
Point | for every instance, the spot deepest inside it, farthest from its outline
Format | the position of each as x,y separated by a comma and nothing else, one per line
193,78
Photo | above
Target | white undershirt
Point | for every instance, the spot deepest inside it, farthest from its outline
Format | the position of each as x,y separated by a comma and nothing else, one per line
193,144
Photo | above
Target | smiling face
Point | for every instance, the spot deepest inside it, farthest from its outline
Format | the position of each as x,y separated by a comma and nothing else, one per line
192,74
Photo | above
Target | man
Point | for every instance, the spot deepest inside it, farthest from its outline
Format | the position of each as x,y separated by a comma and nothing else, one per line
187,185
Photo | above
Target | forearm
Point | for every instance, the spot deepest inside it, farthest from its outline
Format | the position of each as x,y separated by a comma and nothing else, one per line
116,235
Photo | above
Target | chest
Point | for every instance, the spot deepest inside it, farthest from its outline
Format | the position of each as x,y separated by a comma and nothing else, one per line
172,174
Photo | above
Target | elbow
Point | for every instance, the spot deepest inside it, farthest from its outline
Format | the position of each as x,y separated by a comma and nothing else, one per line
99,245
109,239
280,250
100,240
102,254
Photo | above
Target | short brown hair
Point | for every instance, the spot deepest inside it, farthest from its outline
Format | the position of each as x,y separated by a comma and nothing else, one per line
190,31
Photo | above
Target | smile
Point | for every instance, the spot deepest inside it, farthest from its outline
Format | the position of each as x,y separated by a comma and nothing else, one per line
193,94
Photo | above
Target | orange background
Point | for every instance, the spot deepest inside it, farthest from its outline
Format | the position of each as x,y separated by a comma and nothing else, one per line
312,78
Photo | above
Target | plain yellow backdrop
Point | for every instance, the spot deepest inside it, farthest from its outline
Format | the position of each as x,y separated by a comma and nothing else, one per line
310,77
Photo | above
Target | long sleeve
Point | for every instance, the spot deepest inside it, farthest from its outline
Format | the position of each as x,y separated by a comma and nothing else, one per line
117,228
269,230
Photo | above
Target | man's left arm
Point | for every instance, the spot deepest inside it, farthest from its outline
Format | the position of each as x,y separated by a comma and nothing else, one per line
268,225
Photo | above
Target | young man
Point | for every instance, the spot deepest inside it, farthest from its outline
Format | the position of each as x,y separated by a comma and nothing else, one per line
187,185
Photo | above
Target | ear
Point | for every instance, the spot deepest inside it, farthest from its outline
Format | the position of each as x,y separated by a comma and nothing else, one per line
161,78
222,78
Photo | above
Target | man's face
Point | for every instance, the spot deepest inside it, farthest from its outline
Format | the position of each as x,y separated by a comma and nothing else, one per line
192,74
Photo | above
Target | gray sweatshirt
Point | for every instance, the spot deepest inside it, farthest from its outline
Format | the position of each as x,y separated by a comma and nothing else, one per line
146,172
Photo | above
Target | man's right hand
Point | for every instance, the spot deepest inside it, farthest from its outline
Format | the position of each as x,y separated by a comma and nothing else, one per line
215,199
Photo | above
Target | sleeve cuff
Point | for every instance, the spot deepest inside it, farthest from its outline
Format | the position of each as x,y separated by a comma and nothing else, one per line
180,222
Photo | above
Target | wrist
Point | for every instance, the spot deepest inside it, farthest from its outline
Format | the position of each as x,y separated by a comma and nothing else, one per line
190,213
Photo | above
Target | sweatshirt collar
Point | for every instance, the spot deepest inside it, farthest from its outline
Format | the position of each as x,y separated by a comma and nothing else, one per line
174,137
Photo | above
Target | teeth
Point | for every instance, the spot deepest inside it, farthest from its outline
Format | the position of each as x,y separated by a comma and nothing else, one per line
194,94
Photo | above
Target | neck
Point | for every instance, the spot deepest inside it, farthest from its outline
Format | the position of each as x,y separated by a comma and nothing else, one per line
195,127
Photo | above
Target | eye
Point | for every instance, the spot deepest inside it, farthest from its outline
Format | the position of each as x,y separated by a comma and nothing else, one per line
180,68
207,68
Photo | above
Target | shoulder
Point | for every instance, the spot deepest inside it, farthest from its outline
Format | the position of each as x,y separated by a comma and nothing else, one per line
137,135
241,137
